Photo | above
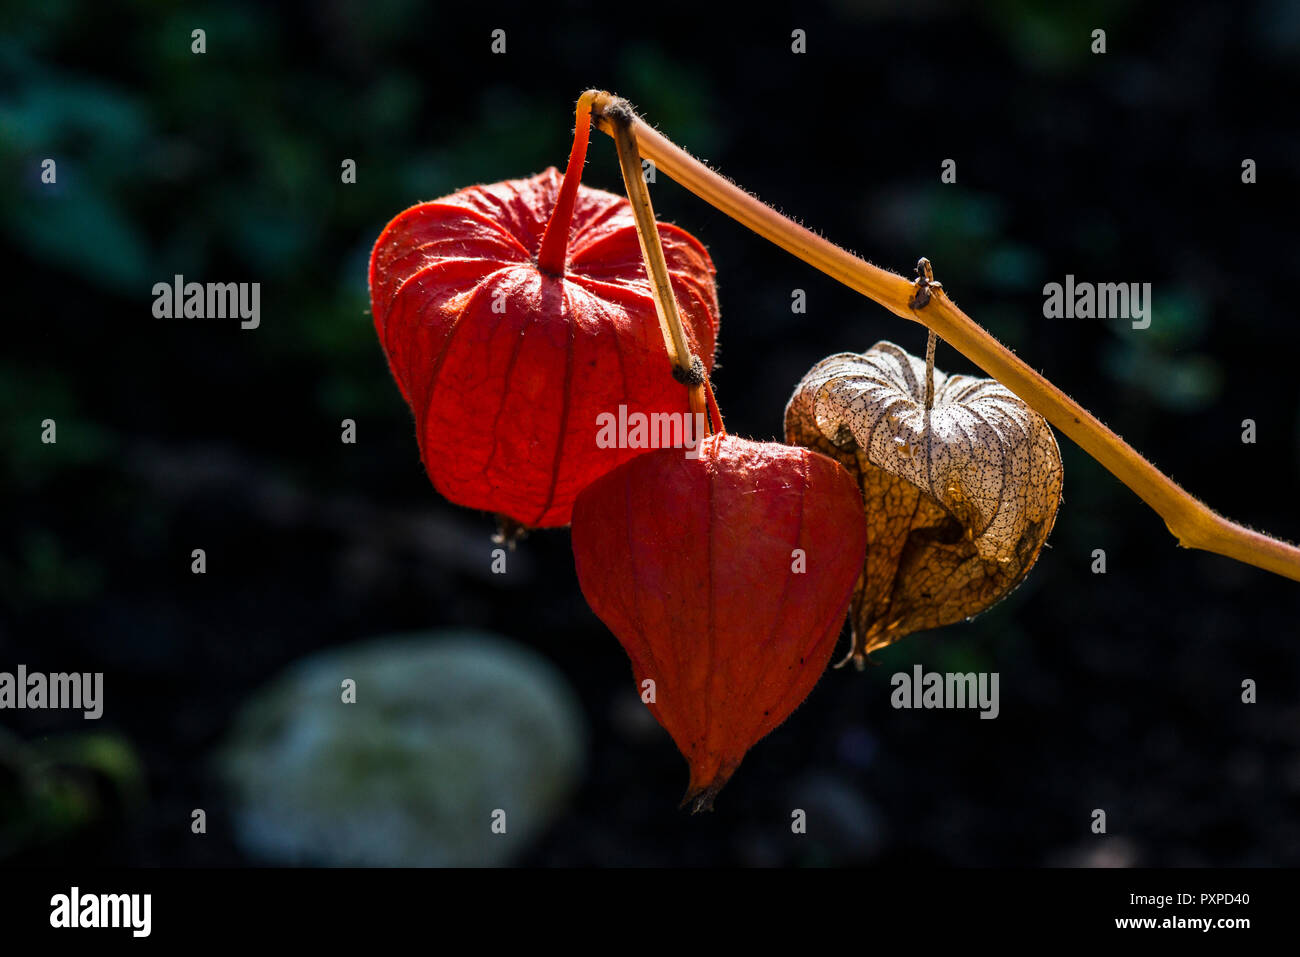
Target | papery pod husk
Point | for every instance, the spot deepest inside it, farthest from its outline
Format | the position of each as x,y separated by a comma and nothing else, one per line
726,578
959,499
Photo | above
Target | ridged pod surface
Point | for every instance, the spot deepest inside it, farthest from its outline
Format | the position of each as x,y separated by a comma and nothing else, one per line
961,497
726,578
505,363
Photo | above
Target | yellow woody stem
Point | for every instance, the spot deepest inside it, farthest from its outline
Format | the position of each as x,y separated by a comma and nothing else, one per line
1189,520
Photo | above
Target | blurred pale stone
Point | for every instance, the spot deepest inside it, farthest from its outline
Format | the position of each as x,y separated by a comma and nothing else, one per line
447,728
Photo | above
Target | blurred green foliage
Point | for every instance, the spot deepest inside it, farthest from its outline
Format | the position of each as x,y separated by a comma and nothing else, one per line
59,786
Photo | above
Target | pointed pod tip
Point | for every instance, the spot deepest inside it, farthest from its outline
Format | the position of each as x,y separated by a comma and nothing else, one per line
509,532
699,799
699,796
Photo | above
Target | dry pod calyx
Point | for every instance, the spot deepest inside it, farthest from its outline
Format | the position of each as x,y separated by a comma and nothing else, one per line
960,496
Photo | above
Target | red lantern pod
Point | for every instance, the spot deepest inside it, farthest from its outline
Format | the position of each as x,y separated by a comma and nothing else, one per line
726,578
507,348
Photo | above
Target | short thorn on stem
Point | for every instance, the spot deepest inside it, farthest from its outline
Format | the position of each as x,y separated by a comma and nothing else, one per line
924,284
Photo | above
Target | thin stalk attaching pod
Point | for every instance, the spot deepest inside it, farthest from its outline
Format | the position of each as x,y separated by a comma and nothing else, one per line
1190,521
687,367
554,248
924,282
929,371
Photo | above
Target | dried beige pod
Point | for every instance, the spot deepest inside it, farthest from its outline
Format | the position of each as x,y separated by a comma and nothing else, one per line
959,497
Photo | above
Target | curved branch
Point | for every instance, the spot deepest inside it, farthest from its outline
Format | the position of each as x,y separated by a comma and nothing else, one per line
1190,521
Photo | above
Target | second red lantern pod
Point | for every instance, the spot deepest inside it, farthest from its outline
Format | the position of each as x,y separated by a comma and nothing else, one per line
726,578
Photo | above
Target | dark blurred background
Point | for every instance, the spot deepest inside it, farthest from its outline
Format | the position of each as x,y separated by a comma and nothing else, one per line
1119,691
